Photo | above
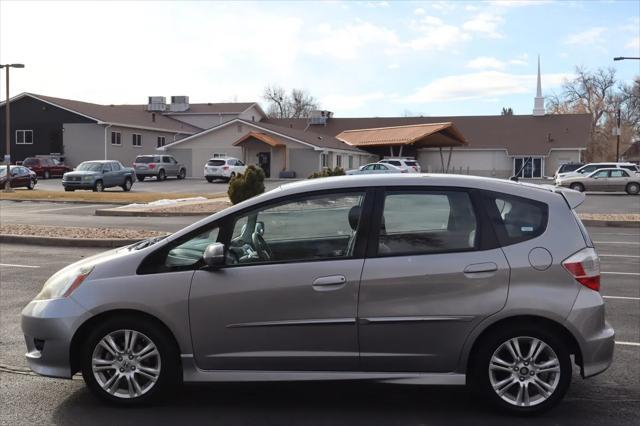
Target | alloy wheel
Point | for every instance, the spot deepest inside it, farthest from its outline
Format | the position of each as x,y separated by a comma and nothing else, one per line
524,371
126,364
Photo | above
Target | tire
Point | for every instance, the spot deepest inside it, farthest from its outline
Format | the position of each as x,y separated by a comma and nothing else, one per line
140,178
69,189
155,370
182,174
209,179
489,376
577,187
31,184
161,175
633,188
127,185
98,186
46,174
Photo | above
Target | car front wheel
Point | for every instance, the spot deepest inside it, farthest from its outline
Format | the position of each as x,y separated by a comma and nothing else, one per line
129,361
127,185
31,184
523,370
98,186
577,187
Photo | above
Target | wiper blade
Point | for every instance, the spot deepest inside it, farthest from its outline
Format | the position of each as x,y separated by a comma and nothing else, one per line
146,243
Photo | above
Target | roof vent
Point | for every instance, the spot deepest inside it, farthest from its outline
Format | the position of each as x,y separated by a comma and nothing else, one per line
157,103
179,103
319,117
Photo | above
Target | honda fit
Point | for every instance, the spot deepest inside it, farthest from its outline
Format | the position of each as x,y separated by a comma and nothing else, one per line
416,279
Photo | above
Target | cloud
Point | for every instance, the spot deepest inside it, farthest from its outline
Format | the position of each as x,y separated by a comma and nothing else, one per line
419,11
520,60
434,34
485,62
350,102
377,4
518,3
481,85
485,24
590,36
347,42
633,44
393,66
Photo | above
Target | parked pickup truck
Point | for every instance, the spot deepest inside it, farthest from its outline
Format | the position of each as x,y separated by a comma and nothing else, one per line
98,175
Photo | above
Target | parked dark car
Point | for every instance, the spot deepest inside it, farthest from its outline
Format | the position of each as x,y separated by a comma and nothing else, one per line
21,177
98,175
46,167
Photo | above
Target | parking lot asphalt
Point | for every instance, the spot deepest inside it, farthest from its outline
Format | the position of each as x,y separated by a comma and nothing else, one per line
610,398
190,185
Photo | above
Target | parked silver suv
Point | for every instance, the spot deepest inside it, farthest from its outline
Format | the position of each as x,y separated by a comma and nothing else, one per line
421,279
158,166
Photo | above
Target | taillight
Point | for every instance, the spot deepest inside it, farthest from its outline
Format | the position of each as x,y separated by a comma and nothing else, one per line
152,166
584,267
225,168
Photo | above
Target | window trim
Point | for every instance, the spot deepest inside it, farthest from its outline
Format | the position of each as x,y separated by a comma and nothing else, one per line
485,236
136,137
24,136
116,138
161,141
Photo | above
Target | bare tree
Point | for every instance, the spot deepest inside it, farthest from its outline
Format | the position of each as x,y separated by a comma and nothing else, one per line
598,94
506,111
296,104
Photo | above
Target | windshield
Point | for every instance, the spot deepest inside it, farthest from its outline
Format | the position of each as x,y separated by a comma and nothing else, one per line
90,167
215,163
30,162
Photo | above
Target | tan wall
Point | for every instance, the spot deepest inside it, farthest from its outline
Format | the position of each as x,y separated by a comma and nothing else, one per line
252,114
493,163
558,157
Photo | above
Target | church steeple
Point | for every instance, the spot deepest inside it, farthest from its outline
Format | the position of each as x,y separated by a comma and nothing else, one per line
538,103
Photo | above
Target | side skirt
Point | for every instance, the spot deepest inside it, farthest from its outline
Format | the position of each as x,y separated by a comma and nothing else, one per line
192,374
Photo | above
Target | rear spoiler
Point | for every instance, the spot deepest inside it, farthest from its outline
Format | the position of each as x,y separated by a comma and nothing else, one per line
573,198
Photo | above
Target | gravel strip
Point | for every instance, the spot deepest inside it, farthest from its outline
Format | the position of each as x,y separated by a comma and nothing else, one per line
77,232
612,217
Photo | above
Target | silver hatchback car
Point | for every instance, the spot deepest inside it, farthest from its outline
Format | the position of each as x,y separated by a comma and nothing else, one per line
416,279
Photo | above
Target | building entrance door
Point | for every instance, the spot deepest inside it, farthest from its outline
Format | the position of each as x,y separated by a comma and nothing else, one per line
264,161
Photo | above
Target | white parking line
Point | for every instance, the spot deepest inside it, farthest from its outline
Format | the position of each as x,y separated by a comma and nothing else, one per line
621,297
65,208
628,343
633,243
621,273
12,265
618,255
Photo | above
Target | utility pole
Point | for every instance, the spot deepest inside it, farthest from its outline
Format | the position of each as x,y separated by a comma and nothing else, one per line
7,125
618,136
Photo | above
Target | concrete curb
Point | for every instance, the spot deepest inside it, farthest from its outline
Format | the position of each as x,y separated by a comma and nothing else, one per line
138,213
612,223
66,242
66,202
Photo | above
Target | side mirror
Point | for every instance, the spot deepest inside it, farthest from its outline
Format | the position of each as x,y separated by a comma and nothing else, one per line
214,255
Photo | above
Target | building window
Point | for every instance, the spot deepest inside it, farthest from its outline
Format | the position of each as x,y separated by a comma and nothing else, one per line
116,138
528,167
324,160
219,155
350,162
161,141
24,137
338,160
136,139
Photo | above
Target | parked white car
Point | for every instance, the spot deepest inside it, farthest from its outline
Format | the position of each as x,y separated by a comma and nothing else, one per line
411,166
223,168
592,167
375,168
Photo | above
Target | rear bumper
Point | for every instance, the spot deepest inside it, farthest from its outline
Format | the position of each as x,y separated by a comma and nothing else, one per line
594,334
48,327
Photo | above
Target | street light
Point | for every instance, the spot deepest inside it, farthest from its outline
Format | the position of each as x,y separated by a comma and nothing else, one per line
7,183
622,58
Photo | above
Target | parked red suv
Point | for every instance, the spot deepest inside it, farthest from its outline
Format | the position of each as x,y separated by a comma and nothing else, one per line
46,167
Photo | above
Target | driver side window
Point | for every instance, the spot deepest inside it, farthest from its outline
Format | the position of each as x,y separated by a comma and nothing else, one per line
311,228
190,252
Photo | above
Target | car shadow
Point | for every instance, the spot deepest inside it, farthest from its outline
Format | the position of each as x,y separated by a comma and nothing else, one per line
306,403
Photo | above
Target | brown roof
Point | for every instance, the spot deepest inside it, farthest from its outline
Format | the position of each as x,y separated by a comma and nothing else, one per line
309,136
422,135
632,153
261,137
518,134
216,108
128,115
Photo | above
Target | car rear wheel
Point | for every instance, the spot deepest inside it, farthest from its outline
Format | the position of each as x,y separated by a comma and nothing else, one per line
98,186
141,178
127,185
161,175
46,174
523,369
633,188
128,361
182,174
577,187
209,179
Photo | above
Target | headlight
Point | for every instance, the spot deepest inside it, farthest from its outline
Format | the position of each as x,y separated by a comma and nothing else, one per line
87,178
63,283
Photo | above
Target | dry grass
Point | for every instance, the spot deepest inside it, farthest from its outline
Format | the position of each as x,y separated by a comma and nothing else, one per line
115,197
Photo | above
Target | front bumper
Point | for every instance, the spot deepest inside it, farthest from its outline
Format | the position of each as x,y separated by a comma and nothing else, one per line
78,184
48,327
594,334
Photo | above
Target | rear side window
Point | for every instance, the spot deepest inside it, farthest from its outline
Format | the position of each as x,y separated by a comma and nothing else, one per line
516,219
394,163
425,222
619,173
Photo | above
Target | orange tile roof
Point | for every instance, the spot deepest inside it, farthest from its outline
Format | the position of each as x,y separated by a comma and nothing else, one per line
269,140
424,135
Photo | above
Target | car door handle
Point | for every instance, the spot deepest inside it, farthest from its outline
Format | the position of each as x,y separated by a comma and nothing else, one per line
479,268
332,282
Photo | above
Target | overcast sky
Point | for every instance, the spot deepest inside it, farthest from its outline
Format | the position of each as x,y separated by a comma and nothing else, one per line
358,58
